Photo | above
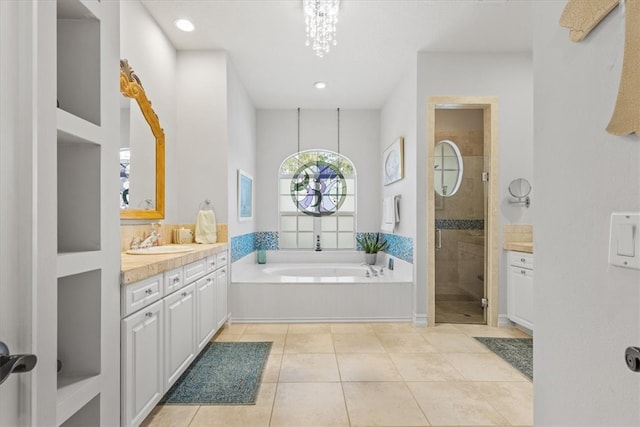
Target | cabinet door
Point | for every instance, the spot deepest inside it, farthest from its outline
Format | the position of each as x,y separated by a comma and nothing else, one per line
142,363
520,296
179,332
221,297
205,310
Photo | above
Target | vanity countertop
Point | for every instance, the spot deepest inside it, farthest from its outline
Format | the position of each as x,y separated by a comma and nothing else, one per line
519,246
134,268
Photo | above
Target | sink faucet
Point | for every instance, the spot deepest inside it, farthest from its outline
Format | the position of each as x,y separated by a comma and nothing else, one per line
372,269
152,239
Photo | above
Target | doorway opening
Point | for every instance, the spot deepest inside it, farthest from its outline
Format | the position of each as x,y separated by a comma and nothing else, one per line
462,238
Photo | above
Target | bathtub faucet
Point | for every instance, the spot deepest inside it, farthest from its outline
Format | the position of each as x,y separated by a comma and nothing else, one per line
372,269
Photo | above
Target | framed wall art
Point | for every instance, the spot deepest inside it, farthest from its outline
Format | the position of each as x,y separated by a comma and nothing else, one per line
393,162
245,196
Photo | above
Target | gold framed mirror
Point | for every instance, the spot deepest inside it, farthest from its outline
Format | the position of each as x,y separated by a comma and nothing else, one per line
138,149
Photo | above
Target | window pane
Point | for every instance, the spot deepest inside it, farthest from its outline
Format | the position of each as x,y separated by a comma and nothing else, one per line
346,241
345,223
328,240
329,223
349,204
287,240
305,223
287,205
285,185
288,223
351,186
305,240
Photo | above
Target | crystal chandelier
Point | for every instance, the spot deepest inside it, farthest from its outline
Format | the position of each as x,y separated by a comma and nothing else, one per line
321,17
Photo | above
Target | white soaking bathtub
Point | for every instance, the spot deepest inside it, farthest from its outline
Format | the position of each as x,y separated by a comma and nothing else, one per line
333,288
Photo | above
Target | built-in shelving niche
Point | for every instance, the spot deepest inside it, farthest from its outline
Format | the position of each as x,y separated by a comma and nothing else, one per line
78,194
79,58
79,334
89,415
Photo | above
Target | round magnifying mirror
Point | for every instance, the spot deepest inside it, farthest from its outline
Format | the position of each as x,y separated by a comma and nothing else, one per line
520,188
448,168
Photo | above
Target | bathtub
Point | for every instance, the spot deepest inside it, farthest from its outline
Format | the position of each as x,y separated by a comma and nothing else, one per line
330,287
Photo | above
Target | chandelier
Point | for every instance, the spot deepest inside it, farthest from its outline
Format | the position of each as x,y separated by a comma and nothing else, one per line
321,17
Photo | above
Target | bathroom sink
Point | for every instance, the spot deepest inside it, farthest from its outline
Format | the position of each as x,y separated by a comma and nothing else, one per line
160,250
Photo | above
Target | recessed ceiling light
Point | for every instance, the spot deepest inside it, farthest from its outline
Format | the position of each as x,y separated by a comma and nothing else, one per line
320,85
184,25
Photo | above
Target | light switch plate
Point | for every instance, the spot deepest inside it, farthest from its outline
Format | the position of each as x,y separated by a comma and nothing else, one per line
624,240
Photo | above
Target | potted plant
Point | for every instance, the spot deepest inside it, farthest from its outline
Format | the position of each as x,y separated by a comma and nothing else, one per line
371,243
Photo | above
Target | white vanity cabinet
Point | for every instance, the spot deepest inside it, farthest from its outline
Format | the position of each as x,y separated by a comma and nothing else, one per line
520,289
142,363
180,332
167,319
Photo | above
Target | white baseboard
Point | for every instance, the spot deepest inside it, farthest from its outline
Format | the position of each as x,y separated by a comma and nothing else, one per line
504,322
419,320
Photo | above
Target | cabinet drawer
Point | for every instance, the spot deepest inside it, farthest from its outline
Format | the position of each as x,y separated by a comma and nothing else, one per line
141,294
173,280
212,263
195,270
221,258
521,259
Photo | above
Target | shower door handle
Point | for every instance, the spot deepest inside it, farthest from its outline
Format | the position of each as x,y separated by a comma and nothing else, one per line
438,238
14,363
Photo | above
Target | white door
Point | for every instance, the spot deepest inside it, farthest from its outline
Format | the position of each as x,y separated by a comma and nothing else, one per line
206,309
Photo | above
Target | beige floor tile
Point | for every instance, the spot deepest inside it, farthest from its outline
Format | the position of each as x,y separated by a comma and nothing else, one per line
455,343
234,328
309,404
351,328
454,404
489,331
382,404
400,327
309,328
272,369
170,416
425,367
514,400
309,368
440,327
257,415
484,367
405,343
309,343
266,328
278,340
367,367
227,338
357,343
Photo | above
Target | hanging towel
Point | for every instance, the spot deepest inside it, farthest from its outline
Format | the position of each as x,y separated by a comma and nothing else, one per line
390,213
206,227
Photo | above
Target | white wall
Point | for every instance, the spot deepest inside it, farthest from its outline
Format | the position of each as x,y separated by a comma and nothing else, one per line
153,59
508,76
398,118
242,146
202,135
277,138
586,311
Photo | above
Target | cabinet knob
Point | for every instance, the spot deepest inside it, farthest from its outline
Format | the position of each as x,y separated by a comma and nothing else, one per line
148,291
149,314
213,264
176,279
523,260
523,272
184,294
209,279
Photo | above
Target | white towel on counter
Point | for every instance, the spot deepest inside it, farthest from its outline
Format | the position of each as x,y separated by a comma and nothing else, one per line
206,227
390,213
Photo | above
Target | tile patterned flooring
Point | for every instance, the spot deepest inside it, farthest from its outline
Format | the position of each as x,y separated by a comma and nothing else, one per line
371,374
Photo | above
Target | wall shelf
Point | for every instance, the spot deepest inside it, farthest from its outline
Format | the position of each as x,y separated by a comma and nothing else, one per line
73,129
74,393
70,263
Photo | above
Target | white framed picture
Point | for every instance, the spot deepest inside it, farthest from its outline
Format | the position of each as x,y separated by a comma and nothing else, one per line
393,162
245,196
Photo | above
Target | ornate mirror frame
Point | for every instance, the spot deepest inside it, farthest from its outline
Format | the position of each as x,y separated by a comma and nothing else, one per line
131,87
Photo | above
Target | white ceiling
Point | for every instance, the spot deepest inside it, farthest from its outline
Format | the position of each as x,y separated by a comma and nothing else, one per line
377,42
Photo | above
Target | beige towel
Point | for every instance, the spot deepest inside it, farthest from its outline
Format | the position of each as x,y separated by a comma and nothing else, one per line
206,227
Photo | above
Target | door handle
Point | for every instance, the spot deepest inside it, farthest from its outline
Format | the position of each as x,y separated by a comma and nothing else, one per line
438,238
14,363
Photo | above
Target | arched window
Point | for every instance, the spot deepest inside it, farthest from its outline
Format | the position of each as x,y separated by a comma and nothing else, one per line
317,199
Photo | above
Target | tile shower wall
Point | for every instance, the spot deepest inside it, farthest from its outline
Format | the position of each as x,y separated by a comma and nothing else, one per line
460,261
399,246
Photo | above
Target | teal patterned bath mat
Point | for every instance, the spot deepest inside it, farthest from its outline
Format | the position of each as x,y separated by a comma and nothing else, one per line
517,351
225,373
